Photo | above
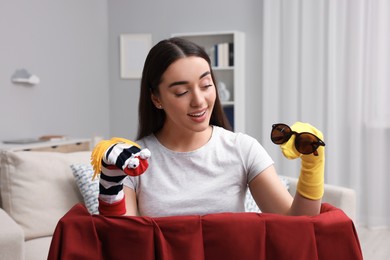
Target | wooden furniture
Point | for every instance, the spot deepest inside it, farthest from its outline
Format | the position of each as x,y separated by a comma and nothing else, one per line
61,146
231,74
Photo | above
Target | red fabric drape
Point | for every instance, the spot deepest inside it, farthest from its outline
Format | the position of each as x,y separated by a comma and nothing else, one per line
330,235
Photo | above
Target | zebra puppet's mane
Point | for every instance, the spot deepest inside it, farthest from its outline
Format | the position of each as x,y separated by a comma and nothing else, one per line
100,149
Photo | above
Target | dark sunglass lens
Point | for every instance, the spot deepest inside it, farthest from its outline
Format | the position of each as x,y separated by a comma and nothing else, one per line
306,143
280,133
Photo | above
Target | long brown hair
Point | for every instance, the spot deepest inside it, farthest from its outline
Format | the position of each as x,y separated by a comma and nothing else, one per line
158,60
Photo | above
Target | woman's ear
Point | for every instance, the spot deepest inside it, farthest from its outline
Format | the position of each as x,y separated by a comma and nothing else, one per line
156,101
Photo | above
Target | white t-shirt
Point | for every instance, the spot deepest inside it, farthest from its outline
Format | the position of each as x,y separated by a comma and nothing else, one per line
211,179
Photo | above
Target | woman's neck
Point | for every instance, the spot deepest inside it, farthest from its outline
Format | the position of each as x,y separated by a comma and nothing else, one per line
183,141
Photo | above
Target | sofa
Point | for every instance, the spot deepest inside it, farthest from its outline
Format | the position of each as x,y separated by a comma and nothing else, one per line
39,188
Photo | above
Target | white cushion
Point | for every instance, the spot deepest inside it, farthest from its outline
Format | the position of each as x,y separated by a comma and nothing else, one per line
11,238
88,187
38,188
38,248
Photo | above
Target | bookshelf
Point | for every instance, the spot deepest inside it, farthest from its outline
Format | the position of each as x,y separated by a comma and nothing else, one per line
230,70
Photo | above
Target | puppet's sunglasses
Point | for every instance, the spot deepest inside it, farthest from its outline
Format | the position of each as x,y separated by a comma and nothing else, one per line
305,143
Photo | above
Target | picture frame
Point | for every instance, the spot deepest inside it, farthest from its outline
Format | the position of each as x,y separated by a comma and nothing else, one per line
133,51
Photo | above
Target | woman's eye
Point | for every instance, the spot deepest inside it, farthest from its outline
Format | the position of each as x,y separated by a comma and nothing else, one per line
180,94
207,85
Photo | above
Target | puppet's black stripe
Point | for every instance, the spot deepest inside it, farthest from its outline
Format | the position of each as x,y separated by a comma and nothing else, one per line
124,155
114,190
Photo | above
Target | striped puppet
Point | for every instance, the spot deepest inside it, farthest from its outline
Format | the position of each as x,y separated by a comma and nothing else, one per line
113,160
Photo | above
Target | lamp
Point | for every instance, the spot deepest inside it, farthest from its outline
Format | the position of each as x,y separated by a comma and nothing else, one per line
24,77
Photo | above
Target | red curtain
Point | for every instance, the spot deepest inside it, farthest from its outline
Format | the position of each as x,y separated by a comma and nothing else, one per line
330,235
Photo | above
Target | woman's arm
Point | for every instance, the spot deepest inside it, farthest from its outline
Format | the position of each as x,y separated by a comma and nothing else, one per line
271,196
131,201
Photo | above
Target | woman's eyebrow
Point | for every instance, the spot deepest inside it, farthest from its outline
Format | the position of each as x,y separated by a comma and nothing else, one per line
186,82
177,83
204,74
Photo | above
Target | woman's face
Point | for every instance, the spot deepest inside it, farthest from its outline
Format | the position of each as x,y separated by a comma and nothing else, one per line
187,94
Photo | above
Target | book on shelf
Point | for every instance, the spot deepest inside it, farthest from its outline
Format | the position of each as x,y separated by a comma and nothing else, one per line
229,112
231,54
222,55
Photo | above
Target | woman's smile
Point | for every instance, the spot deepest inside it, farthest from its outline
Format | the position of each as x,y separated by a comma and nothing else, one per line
198,116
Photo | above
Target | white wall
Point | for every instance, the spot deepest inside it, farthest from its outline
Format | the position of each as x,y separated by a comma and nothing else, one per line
73,46
65,44
161,19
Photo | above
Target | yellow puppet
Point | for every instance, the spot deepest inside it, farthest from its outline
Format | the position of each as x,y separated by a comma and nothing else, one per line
305,141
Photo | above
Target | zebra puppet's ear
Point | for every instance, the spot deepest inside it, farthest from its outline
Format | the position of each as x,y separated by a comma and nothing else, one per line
119,152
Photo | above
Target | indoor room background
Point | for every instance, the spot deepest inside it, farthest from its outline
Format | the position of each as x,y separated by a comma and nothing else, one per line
322,62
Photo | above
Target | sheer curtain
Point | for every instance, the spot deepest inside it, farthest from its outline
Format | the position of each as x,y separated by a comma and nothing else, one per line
327,63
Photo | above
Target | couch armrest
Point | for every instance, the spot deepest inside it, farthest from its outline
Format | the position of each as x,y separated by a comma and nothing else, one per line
338,196
11,238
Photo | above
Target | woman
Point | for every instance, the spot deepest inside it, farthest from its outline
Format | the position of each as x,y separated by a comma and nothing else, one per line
199,166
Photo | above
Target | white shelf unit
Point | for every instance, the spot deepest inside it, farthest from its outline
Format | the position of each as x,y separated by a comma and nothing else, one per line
232,76
63,146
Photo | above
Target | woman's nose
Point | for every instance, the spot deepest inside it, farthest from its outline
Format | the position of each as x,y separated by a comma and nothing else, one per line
197,97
